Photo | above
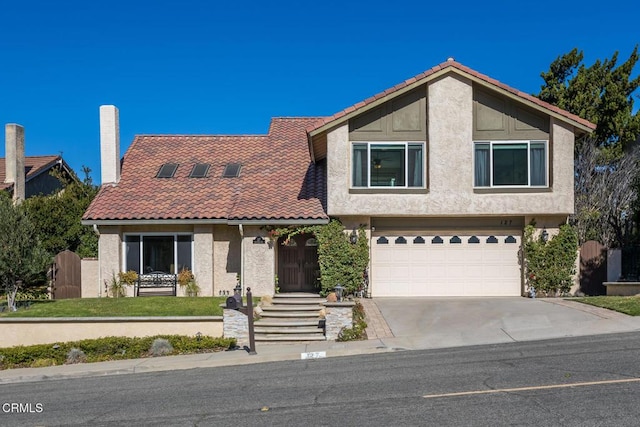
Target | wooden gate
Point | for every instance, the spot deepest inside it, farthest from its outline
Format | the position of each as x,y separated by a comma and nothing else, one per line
593,268
66,276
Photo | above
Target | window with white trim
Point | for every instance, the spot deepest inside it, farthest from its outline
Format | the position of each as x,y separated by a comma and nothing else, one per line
388,164
510,164
146,253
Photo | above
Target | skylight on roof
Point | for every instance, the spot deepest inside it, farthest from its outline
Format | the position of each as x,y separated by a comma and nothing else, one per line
167,170
199,170
231,170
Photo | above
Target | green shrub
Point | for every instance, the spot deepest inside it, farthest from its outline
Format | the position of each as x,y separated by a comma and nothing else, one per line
340,261
550,265
116,287
104,349
191,289
33,293
43,363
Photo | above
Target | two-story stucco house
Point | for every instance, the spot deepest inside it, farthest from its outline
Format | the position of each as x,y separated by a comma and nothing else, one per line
443,170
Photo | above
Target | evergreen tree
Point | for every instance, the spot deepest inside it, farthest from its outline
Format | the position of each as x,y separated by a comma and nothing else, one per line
57,218
606,162
601,93
22,258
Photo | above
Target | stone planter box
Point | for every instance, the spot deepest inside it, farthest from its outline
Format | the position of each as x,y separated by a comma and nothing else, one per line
338,315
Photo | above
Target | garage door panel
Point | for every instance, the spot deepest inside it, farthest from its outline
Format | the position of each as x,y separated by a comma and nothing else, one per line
447,269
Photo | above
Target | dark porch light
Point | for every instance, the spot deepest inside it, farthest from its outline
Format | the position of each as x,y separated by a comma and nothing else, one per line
545,235
353,237
339,288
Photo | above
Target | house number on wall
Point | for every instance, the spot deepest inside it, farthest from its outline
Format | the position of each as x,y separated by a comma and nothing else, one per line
505,222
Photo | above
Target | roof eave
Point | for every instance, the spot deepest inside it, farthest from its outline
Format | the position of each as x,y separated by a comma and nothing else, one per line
47,168
406,87
266,221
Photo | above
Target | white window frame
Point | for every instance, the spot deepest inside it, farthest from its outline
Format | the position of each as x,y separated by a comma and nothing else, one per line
511,142
141,250
404,144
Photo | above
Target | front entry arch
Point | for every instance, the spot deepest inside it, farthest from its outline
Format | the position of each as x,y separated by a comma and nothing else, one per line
298,263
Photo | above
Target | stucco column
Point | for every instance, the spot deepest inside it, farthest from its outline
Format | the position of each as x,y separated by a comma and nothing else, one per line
109,249
203,258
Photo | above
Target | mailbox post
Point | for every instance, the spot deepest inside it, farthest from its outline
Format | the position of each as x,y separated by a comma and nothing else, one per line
252,338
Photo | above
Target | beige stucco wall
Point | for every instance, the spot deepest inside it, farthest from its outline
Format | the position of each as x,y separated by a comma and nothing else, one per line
45,331
110,254
450,169
203,258
109,250
259,263
226,258
90,282
216,258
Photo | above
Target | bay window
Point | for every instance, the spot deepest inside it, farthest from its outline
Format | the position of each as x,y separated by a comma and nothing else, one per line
167,253
510,164
388,164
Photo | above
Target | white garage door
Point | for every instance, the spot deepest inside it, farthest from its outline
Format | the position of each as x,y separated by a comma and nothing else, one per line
446,265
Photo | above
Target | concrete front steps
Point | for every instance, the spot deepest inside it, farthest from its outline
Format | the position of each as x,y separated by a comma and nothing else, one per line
292,317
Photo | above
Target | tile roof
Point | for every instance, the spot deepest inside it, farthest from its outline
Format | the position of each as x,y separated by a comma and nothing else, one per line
454,65
33,166
277,181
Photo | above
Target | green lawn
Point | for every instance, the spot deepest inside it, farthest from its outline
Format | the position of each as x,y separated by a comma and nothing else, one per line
120,307
626,305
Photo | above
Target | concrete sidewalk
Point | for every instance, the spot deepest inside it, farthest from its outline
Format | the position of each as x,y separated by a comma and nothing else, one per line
394,324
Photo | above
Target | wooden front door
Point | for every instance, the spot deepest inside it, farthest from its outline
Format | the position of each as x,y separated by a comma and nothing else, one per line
298,264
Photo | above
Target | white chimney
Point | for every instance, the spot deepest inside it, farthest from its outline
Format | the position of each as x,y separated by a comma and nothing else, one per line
14,161
109,144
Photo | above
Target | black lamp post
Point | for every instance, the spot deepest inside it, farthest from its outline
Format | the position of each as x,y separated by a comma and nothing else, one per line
339,288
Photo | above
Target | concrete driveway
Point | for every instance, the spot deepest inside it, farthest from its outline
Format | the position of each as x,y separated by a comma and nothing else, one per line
421,323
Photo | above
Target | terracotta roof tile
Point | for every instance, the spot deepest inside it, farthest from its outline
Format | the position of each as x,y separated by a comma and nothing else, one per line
33,166
456,65
271,185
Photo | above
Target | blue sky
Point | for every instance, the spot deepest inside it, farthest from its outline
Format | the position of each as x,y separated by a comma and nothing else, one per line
214,67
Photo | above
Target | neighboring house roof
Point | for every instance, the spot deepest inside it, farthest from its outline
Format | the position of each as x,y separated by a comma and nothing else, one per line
33,166
277,179
435,72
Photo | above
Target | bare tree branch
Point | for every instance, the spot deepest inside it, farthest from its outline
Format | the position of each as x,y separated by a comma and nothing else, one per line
604,194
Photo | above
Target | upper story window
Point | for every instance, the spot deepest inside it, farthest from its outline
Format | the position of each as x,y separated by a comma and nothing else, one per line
510,164
388,164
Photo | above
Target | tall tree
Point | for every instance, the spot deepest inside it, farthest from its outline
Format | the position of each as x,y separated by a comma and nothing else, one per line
602,93
22,257
606,161
57,218
605,195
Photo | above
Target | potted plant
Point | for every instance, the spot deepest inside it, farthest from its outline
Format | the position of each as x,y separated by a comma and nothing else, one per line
187,282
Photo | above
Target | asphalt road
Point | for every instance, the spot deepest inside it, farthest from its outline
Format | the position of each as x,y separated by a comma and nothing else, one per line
586,381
